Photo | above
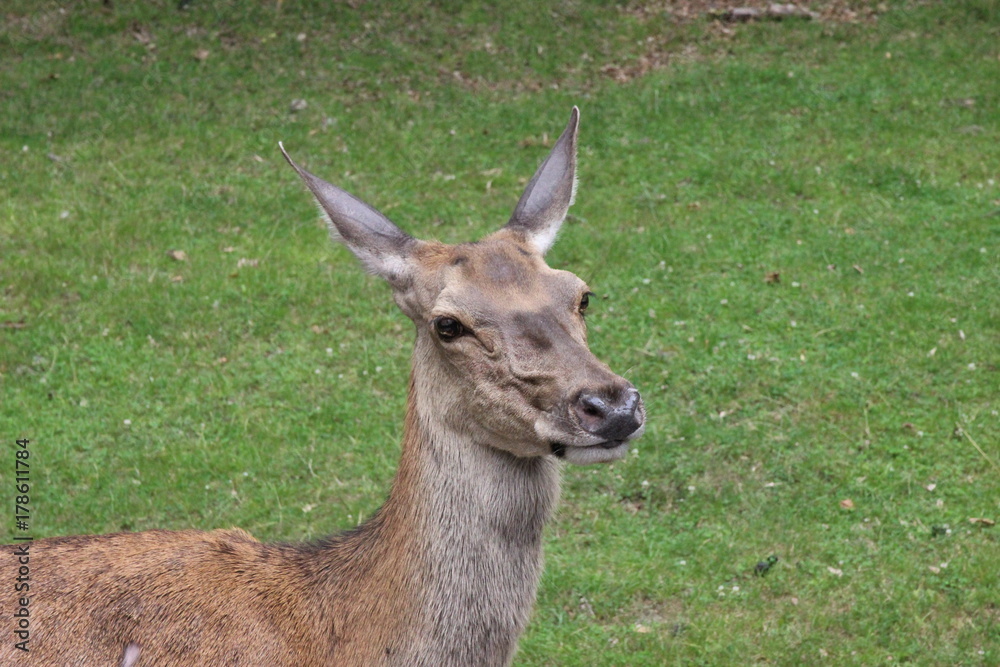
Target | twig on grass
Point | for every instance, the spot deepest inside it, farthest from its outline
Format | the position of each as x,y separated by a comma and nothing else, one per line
965,431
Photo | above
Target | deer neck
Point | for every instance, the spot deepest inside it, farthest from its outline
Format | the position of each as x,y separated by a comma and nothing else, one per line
474,516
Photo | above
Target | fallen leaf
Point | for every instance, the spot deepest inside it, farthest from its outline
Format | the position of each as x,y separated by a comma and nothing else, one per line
201,55
847,504
772,278
177,255
141,34
835,571
982,521
931,487
298,105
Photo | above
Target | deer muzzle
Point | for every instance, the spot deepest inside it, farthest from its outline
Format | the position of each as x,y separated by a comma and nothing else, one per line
612,419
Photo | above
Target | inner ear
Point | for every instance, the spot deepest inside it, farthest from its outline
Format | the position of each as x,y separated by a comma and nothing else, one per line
550,192
383,248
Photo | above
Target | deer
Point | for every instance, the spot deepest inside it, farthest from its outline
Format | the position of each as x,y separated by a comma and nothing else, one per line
503,389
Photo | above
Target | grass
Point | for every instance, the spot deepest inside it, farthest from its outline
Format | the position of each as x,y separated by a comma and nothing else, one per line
855,163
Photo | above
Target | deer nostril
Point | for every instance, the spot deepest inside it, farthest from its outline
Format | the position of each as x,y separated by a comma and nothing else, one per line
593,406
591,411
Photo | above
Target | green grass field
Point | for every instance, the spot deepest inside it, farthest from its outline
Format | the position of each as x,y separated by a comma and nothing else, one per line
793,229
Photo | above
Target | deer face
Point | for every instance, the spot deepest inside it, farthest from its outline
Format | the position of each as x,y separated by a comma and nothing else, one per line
501,336
506,336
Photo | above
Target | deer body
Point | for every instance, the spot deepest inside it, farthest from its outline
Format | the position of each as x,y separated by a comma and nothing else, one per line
445,573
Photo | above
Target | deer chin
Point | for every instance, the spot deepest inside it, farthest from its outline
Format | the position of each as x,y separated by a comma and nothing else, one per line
602,452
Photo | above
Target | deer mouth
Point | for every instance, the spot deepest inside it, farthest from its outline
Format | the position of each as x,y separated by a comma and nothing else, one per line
559,449
601,452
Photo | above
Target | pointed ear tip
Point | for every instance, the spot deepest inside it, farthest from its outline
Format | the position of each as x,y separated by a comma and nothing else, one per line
288,158
573,126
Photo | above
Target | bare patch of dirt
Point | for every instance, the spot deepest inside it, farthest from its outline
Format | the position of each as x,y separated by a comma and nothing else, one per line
660,616
685,11
659,51
37,26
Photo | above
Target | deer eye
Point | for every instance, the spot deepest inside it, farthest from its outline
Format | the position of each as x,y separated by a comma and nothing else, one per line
448,328
585,302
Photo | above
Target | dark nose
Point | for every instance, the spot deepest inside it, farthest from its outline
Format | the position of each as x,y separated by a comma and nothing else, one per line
613,419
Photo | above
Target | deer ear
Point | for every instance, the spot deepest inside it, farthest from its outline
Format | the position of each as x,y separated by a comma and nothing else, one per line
548,196
382,247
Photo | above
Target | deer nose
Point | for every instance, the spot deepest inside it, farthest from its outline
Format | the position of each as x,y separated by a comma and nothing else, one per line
611,419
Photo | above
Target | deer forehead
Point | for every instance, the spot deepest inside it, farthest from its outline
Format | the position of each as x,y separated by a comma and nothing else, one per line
494,277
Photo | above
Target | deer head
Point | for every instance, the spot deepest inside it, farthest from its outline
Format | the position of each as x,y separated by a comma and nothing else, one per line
501,355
